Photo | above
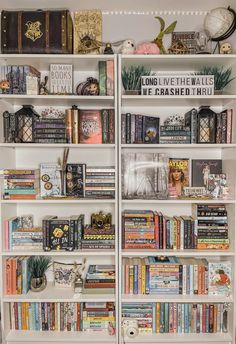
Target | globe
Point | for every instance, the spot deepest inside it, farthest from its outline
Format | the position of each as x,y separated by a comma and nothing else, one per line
218,21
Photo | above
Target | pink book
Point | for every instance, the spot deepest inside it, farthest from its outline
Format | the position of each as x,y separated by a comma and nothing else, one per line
6,235
110,77
229,126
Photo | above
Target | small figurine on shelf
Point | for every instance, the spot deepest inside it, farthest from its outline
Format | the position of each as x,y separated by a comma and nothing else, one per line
4,86
225,48
78,285
42,87
111,329
90,87
108,49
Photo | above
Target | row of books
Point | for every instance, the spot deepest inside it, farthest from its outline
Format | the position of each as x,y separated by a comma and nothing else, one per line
176,276
61,316
178,317
145,229
194,127
56,233
100,279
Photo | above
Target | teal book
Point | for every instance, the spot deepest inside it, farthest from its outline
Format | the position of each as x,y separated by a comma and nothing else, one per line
102,78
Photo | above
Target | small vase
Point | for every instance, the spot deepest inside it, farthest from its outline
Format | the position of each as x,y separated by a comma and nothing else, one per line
132,92
38,284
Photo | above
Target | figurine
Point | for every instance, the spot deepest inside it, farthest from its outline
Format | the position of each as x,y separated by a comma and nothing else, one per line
90,87
225,48
88,44
127,47
147,48
4,86
108,49
42,87
159,38
111,329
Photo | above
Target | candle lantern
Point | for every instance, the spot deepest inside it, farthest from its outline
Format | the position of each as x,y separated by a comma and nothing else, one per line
26,118
206,125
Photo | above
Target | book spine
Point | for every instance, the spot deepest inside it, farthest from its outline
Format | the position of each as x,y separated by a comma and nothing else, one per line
102,78
229,126
105,125
224,126
194,126
123,128
128,128
110,77
132,128
111,126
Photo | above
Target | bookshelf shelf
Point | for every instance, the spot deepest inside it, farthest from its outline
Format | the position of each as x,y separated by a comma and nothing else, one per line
81,253
54,294
177,253
172,201
58,337
176,298
57,145
64,201
180,146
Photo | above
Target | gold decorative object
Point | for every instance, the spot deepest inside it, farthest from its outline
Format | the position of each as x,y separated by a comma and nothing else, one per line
88,32
101,220
178,48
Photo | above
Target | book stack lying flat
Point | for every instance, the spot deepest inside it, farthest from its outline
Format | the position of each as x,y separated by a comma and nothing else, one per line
100,279
100,182
175,134
178,317
212,226
94,238
21,184
98,316
50,130
17,275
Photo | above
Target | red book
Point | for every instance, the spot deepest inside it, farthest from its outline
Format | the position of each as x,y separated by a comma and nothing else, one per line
110,77
90,126
78,324
156,228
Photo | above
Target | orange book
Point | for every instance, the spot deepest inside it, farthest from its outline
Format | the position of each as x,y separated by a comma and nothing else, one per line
110,77
78,325
20,197
157,317
212,246
215,319
23,316
27,315
13,272
8,276
90,126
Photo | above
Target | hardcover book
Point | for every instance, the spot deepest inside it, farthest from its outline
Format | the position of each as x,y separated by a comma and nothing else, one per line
201,168
50,180
90,126
178,176
219,278
150,129
75,180
59,235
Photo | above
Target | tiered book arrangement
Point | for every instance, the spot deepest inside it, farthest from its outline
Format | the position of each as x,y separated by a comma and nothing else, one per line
50,130
20,184
145,229
100,279
178,317
217,128
62,316
100,182
59,233
176,276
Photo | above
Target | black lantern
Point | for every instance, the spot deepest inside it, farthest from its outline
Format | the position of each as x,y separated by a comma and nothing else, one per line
26,118
206,125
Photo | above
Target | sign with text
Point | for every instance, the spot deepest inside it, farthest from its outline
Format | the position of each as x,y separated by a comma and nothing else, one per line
61,77
177,85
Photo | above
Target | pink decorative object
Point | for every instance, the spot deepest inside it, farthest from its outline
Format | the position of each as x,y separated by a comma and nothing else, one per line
147,48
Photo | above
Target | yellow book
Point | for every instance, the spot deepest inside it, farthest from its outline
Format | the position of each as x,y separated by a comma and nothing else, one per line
27,315
157,317
131,277
143,274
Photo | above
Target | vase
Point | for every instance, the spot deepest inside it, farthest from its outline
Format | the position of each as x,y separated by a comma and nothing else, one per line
38,284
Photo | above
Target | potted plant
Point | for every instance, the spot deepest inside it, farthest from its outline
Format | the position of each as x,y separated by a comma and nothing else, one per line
37,266
131,78
222,76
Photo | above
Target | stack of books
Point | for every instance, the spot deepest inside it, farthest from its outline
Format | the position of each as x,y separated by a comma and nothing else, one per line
17,275
98,316
138,229
100,279
20,184
175,134
178,317
50,130
212,226
100,182
142,312
98,239
139,128
62,233
167,275
46,316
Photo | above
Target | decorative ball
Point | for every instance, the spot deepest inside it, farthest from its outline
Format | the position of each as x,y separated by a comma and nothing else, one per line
218,21
147,48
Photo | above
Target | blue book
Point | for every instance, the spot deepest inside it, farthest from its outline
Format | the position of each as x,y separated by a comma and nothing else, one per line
207,318
135,287
19,316
186,318
25,276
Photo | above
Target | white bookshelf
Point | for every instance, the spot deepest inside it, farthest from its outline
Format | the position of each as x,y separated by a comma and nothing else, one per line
164,106
13,155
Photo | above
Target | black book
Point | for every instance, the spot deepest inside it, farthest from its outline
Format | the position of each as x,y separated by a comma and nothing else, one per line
151,129
60,235
75,180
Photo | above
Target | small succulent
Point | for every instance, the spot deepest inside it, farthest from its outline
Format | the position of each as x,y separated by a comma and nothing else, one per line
222,75
131,77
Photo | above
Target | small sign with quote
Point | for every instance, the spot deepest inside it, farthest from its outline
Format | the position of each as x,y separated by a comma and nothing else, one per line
177,85
61,79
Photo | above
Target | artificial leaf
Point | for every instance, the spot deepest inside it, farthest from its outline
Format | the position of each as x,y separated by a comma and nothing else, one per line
162,22
161,35
170,28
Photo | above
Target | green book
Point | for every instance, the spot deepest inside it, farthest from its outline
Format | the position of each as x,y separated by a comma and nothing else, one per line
102,78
